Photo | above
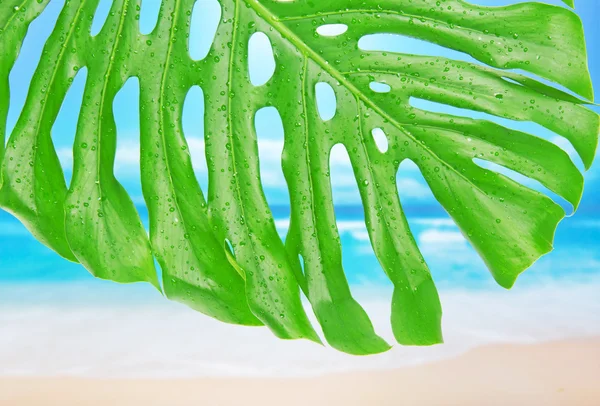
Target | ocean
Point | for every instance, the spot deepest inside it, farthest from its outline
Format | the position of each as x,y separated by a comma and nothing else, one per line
453,263
58,320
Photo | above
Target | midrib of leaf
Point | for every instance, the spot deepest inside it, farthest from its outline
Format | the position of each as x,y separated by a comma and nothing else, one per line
307,143
14,15
286,33
163,81
231,68
107,76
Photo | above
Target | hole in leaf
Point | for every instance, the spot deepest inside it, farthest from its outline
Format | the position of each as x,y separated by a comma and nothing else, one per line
301,260
332,30
408,45
380,139
270,135
28,59
411,184
343,182
205,22
415,195
326,101
64,128
379,87
127,158
149,15
261,61
100,16
193,129
509,80
229,247
281,214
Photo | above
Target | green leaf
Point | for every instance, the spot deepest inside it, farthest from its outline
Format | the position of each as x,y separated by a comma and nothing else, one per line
258,280
32,183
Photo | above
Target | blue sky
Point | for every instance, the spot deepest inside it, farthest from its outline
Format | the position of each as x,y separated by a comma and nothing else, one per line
412,187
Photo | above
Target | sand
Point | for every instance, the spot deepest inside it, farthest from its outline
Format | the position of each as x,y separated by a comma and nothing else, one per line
545,374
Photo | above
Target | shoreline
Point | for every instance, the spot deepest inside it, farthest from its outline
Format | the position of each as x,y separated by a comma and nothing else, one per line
119,332
563,372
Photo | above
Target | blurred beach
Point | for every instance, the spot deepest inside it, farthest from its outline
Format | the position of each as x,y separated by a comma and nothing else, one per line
57,320
548,374
69,339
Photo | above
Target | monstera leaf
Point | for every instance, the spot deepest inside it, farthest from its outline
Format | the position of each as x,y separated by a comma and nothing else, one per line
222,255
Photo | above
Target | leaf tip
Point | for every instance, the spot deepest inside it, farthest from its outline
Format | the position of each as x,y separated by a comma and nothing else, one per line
570,3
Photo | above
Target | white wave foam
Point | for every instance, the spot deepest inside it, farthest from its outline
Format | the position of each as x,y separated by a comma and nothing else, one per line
114,334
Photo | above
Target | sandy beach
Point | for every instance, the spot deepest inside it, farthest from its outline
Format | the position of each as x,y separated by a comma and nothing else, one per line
554,373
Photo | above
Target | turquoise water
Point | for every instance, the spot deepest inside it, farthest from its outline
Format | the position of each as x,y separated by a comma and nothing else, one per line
453,262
